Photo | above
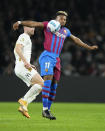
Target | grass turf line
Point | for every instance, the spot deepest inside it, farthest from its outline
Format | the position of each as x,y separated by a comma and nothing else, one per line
70,117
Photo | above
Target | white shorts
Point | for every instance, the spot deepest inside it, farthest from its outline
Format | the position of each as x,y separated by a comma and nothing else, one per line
24,74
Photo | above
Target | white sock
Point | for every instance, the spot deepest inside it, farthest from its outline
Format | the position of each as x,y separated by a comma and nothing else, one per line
32,93
30,99
45,108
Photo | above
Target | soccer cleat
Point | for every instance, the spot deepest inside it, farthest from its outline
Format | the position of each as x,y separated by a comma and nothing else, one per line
23,103
25,113
48,115
53,117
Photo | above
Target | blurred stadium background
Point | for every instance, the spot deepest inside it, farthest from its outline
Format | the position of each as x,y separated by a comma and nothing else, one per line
86,20
83,71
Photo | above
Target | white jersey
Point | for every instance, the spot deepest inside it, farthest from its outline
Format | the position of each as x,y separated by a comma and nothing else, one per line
20,71
25,40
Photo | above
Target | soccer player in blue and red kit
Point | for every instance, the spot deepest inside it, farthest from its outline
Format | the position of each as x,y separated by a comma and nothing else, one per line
49,59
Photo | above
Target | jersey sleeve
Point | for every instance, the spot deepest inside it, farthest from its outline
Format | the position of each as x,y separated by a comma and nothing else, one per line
45,24
68,33
21,40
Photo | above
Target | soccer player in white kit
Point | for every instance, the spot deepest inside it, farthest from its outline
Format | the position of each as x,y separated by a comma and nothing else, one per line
25,71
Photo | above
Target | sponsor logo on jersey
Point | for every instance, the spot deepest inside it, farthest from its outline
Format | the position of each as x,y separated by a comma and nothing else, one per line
60,35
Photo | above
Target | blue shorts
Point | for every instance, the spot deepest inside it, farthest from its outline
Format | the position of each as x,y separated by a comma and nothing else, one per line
49,64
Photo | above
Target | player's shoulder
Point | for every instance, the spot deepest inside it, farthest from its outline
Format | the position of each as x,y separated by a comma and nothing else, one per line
24,35
23,38
67,31
65,28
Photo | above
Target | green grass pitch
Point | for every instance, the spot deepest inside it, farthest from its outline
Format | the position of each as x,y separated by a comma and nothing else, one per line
70,117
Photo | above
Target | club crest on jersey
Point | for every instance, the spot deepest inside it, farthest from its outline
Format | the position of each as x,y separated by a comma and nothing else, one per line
46,70
65,31
22,39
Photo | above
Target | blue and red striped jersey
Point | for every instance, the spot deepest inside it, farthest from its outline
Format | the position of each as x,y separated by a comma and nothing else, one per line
54,41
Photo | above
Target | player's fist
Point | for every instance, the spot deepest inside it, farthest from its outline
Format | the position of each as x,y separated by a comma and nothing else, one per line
16,25
33,67
95,47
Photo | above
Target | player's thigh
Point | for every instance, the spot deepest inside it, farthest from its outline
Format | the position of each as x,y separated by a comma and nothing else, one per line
57,70
47,65
57,74
37,79
25,74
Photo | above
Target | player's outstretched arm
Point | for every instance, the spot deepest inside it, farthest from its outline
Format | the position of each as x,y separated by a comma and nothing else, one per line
77,41
27,23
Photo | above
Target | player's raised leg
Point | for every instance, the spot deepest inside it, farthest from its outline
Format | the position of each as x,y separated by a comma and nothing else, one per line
37,83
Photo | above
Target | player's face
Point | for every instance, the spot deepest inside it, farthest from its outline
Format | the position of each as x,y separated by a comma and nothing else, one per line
61,19
31,31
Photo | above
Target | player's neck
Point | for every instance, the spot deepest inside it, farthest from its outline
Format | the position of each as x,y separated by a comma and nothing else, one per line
27,34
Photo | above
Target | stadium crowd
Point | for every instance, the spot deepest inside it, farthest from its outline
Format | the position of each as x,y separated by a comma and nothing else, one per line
86,20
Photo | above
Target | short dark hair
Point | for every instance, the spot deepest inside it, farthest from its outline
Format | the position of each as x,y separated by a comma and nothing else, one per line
61,13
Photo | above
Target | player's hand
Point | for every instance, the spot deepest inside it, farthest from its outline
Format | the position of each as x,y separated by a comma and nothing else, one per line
16,25
34,67
95,47
27,65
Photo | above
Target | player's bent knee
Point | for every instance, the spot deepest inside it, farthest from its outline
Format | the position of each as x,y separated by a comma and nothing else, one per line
40,88
41,84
